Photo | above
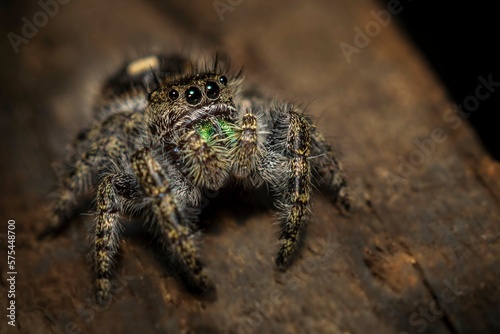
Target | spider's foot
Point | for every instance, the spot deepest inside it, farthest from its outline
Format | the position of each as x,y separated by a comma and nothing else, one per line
103,287
285,255
345,207
344,202
208,289
201,282
203,286
282,263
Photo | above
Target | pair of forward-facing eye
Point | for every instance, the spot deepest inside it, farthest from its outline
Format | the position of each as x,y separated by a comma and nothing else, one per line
194,95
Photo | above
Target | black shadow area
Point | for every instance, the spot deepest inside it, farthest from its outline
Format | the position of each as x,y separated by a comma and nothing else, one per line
461,40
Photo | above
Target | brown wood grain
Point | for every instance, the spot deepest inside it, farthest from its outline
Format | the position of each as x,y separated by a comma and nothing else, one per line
428,241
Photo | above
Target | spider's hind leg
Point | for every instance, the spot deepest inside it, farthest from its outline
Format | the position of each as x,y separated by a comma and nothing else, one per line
75,180
93,151
330,172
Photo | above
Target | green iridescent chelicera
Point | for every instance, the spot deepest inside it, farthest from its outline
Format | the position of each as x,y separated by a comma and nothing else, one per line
207,130
228,130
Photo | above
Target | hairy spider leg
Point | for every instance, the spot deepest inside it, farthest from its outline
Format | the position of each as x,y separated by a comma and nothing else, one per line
117,194
171,224
330,171
287,168
100,144
295,201
247,149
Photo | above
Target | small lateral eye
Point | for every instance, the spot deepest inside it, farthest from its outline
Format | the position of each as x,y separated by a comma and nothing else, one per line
223,80
212,89
173,95
193,95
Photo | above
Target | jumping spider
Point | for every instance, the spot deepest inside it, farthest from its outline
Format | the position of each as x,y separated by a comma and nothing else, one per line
165,129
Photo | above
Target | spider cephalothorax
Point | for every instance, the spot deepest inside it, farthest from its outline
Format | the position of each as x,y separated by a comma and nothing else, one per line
166,129
194,120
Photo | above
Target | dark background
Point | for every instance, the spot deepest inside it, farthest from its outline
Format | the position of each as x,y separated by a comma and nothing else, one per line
460,41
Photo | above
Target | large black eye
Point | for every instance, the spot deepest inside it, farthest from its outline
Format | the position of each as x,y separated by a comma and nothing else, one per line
212,89
173,95
193,95
223,80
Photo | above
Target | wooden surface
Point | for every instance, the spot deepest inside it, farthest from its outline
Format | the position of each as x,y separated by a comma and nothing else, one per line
382,270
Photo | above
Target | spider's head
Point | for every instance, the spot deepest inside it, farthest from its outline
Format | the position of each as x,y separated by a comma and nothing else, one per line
180,105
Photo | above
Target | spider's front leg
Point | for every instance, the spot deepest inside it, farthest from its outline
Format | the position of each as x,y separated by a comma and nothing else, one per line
115,193
287,168
247,148
172,225
296,196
